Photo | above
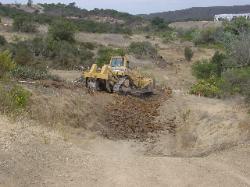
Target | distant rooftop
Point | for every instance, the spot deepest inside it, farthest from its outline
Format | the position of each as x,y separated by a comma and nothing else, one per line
230,17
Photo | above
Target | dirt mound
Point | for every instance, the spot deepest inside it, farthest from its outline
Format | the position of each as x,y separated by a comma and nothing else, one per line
134,118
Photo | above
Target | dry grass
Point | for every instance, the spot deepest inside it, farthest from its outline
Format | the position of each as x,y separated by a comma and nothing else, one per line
64,107
195,24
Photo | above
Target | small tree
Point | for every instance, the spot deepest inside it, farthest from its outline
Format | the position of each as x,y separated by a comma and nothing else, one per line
188,54
6,63
239,51
2,40
204,69
105,54
159,23
237,26
29,3
218,59
143,49
62,30
72,5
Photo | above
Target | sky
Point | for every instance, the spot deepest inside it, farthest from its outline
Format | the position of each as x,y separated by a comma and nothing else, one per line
141,6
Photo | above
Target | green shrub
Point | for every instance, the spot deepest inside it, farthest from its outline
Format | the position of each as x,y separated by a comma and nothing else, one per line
2,40
159,23
68,55
62,30
6,63
143,49
169,36
239,51
24,24
29,72
53,53
105,54
205,36
208,88
19,96
237,81
204,69
186,34
13,98
22,54
88,45
218,60
188,53
237,26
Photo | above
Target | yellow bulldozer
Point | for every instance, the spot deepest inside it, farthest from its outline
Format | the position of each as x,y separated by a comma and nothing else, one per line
118,77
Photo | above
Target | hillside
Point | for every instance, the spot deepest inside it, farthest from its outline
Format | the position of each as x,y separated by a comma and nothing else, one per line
199,13
71,11
97,20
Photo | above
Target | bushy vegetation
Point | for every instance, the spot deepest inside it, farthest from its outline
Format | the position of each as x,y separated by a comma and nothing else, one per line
24,24
32,73
209,75
188,53
22,53
67,55
96,27
216,79
217,61
2,40
105,54
205,36
237,81
186,34
56,53
143,49
6,63
168,35
62,30
13,98
204,69
71,9
207,87
238,51
237,26
89,45
159,24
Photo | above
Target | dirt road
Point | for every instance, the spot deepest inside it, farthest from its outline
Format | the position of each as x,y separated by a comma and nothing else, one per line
37,156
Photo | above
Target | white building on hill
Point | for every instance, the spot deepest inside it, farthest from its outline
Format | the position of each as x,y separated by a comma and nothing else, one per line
230,17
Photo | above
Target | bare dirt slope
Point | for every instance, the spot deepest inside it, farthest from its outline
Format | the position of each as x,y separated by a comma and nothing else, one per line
37,156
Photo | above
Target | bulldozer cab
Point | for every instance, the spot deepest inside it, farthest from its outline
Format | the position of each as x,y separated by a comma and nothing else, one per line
119,65
119,61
